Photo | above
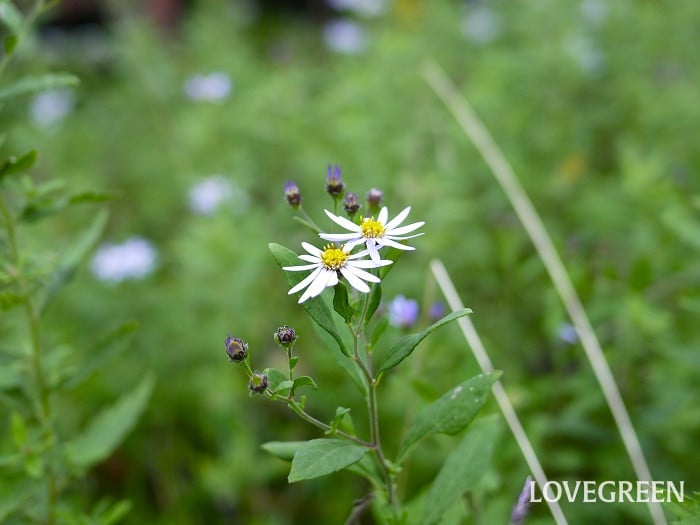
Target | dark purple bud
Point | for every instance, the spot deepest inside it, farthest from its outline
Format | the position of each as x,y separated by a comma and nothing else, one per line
374,199
236,349
285,336
258,382
334,182
291,192
352,204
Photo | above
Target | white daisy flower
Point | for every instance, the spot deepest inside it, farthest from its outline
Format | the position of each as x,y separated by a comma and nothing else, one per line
374,233
327,264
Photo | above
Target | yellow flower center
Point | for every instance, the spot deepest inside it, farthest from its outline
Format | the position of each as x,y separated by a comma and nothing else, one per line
333,258
372,229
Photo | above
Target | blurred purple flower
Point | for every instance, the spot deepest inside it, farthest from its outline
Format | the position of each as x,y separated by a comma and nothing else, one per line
481,25
437,311
135,258
520,509
213,87
403,312
345,36
50,107
567,333
206,196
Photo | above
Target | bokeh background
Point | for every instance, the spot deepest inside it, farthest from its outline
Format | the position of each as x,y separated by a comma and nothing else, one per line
192,115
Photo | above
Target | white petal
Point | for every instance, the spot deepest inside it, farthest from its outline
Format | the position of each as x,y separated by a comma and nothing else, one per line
354,281
393,223
403,237
389,242
300,268
348,247
373,250
312,249
405,229
368,264
339,236
363,274
310,258
306,282
342,221
333,280
383,215
316,287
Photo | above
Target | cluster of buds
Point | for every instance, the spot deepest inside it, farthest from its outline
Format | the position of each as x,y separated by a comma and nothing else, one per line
237,351
335,187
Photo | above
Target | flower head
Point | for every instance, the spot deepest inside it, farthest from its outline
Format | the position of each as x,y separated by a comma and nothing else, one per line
285,336
351,204
291,192
520,508
375,233
135,258
258,382
437,311
334,182
328,264
236,349
374,198
403,312
213,87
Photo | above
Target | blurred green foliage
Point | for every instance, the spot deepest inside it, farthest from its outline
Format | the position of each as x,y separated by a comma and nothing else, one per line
598,116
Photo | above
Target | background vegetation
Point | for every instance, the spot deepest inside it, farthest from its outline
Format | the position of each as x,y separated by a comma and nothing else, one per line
594,104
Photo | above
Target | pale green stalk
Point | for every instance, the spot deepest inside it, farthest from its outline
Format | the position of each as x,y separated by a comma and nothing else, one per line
531,221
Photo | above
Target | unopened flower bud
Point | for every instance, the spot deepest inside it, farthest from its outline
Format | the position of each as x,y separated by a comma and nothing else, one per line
291,192
258,382
285,336
236,349
352,204
374,199
334,182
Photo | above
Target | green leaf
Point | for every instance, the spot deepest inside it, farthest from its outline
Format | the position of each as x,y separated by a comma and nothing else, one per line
403,348
18,165
342,419
282,386
118,512
15,495
282,449
45,206
341,304
105,348
451,413
9,300
277,380
320,457
106,431
305,381
11,16
316,308
293,362
461,470
10,43
18,429
392,254
375,298
73,258
38,83
378,330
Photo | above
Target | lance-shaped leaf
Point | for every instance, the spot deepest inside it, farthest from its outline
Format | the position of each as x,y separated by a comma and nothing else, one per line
316,308
405,346
461,470
341,304
320,457
17,164
73,258
451,413
375,297
38,83
106,431
11,16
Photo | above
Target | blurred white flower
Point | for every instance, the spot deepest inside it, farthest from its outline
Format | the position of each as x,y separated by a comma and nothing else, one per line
594,11
366,8
568,334
135,258
50,107
481,25
206,196
345,36
585,52
213,87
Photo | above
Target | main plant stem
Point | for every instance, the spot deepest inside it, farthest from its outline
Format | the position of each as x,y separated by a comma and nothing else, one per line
372,407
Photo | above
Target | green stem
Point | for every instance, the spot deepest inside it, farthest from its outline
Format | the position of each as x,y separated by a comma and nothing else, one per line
28,21
36,354
294,406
